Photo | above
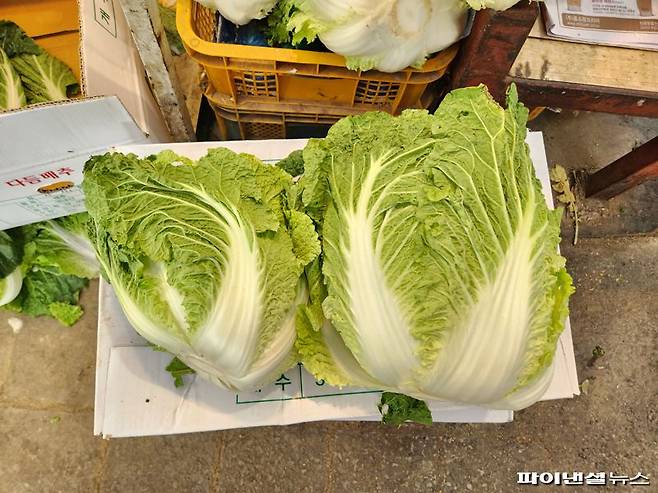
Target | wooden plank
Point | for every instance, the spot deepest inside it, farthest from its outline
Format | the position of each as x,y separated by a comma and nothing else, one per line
605,66
150,38
585,97
489,52
628,171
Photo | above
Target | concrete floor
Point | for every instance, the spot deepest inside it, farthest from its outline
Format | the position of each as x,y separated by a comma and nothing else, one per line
47,371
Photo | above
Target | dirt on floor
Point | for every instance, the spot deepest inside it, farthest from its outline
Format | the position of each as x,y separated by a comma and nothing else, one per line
47,385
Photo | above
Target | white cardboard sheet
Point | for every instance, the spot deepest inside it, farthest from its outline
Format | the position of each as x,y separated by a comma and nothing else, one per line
135,396
47,146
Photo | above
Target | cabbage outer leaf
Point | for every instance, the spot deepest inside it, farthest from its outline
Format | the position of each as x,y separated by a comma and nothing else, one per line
10,286
45,78
63,243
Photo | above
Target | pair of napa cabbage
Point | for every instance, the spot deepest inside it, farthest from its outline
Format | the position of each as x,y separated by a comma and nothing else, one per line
415,254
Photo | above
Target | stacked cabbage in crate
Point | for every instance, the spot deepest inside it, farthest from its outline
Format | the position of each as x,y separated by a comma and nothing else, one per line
388,36
272,63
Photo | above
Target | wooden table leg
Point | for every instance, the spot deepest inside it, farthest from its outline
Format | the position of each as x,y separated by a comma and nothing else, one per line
638,166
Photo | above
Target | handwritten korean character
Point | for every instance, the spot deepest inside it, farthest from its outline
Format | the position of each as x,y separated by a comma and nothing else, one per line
282,382
15,183
65,171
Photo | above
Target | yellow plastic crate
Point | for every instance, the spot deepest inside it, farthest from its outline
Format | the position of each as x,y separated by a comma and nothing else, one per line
266,78
262,125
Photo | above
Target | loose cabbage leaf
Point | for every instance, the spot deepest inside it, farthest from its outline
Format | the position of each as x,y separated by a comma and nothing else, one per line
64,244
56,261
65,313
12,95
178,370
439,255
43,287
10,254
45,78
397,409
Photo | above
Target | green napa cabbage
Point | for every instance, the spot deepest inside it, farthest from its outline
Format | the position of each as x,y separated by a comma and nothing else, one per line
14,41
440,274
12,95
45,78
204,257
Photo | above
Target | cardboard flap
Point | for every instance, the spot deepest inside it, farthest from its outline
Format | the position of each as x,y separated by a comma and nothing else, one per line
43,150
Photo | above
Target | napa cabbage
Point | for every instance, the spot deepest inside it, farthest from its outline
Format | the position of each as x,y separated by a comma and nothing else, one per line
386,35
205,258
11,278
491,4
240,12
440,276
45,78
12,95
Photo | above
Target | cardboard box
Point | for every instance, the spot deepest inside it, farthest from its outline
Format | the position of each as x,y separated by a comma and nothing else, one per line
36,142
135,396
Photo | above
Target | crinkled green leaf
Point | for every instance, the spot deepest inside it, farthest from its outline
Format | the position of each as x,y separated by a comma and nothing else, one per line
65,313
14,41
293,164
43,286
64,244
397,409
